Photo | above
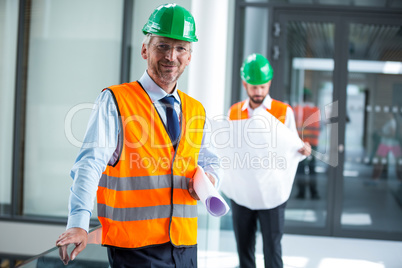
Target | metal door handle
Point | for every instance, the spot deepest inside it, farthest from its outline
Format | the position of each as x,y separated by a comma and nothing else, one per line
341,148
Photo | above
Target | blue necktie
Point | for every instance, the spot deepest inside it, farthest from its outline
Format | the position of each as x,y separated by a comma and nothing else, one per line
172,118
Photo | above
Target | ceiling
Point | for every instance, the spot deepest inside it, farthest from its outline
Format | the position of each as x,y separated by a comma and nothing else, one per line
366,41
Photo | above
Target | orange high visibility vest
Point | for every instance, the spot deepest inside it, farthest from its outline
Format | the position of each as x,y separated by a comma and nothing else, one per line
308,123
278,109
143,199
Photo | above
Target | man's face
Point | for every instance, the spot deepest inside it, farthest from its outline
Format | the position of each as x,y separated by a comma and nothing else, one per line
167,58
257,93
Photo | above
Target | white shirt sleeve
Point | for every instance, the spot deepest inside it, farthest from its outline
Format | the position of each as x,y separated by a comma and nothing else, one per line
97,149
290,121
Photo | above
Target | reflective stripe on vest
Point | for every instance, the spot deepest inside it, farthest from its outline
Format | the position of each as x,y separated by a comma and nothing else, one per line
143,199
278,109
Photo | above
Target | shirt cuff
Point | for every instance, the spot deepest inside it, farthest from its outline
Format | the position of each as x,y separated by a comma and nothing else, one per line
80,220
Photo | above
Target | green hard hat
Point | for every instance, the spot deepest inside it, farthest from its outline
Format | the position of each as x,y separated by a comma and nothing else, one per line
256,70
173,21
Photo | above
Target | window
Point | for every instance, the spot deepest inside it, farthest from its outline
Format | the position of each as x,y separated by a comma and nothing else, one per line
8,52
74,52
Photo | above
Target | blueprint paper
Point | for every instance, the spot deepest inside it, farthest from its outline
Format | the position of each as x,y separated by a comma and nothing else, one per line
209,196
259,157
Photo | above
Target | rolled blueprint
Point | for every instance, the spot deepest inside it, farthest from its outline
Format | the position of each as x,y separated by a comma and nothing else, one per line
209,196
259,157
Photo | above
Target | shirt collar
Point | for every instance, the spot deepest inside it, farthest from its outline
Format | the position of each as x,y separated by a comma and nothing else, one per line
155,92
266,103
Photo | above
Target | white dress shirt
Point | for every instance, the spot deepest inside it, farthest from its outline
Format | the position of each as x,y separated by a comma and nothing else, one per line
266,104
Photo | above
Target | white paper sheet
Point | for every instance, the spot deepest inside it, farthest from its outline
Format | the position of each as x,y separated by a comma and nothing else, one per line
209,196
259,157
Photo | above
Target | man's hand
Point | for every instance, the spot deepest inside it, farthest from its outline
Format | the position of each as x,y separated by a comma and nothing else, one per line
76,236
191,186
306,150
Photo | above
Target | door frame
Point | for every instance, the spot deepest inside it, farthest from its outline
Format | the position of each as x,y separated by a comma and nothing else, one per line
277,43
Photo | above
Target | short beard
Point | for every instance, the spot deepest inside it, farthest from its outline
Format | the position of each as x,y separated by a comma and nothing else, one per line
257,101
168,78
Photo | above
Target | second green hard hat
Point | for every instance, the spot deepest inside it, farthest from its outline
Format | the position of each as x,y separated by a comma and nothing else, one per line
256,70
173,21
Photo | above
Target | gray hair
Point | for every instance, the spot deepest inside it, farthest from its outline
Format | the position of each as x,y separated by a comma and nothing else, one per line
147,39
148,36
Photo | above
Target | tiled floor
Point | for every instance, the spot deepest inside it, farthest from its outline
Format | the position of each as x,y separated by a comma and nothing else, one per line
367,206
313,252
298,252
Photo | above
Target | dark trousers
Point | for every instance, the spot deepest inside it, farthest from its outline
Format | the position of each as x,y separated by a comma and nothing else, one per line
245,228
160,256
309,181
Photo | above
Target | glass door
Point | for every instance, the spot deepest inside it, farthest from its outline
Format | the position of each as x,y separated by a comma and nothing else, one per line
343,78
372,175
306,49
